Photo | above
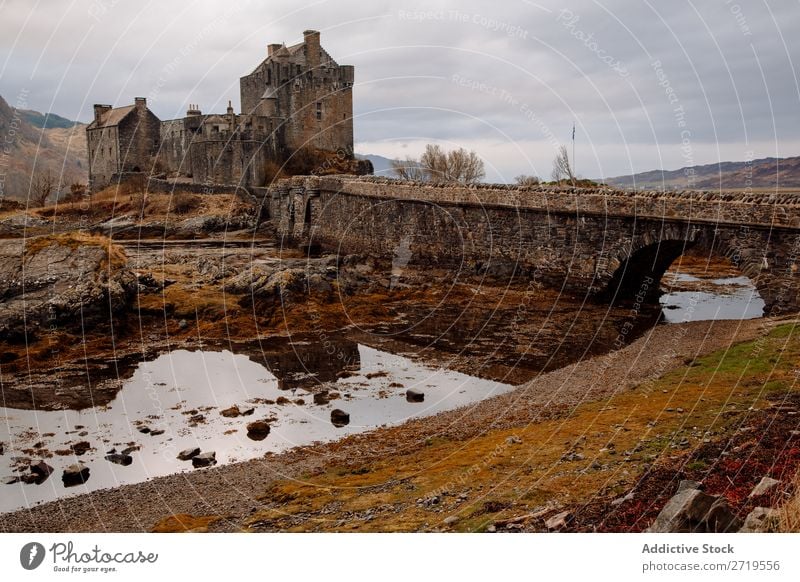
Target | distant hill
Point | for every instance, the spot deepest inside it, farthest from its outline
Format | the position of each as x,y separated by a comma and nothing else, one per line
382,166
46,120
32,149
764,174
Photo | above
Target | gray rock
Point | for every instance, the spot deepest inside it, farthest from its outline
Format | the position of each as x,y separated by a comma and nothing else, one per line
65,278
413,395
450,520
761,519
187,454
204,459
10,480
119,459
513,440
75,475
687,484
691,510
764,486
558,521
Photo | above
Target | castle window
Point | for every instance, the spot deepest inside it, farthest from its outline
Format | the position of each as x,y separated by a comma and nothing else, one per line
319,110
269,76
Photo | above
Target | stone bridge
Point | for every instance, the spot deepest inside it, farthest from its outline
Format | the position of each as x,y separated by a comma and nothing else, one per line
604,244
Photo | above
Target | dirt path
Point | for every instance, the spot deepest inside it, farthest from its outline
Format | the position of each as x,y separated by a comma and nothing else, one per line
233,491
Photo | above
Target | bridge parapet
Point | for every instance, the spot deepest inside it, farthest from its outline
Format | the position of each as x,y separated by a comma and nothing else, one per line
738,208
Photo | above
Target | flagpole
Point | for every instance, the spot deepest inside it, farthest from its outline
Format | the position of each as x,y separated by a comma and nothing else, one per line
574,169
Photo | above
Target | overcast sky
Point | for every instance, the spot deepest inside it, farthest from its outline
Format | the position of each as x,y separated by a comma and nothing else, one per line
648,84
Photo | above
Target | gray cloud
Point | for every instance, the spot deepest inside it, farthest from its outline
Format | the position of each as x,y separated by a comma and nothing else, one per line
508,78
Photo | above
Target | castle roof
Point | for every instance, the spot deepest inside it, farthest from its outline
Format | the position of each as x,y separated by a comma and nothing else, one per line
112,117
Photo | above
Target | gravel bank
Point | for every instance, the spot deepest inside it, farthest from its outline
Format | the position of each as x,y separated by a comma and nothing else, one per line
233,490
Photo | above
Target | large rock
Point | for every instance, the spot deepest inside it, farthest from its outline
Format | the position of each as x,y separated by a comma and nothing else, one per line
413,395
119,459
761,519
692,510
188,454
339,418
764,486
75,475
204,459
258,430
41,469
67,278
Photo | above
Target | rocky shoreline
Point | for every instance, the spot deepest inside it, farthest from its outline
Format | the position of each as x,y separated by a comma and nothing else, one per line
236,492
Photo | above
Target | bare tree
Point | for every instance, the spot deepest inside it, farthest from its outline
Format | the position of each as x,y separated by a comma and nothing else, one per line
562,168
436,165
524,180
408,169
42,187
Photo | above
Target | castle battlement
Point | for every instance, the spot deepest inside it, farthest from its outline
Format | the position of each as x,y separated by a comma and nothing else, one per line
297,97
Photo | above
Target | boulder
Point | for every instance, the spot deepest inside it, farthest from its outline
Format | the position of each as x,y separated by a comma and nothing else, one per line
119,459
204,459
80,448
691,510
231,412
41,469
339,417
761,519
258,430
10,480
188,454
75,475
413,395
66,278
321,397
764,486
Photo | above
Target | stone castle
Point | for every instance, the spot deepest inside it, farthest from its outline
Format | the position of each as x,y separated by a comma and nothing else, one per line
298,98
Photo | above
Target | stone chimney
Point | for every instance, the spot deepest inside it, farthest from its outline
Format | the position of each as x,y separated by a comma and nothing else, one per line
99,110
193,110
140,103
311,38
230,108
272,48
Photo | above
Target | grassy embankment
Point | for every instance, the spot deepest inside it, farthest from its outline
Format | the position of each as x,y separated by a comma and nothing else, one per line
661,424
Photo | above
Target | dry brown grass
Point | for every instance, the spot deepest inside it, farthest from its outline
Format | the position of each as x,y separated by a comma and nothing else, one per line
185,523
523,476
115,255
789,512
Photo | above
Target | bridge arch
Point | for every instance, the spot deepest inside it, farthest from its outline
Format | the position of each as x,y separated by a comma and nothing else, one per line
638,270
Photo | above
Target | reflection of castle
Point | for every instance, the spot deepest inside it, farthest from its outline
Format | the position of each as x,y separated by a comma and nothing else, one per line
306,365
298,97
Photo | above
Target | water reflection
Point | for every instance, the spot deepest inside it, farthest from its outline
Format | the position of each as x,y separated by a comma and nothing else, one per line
168,417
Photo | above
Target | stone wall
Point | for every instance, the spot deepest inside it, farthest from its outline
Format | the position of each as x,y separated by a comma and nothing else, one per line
603,244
